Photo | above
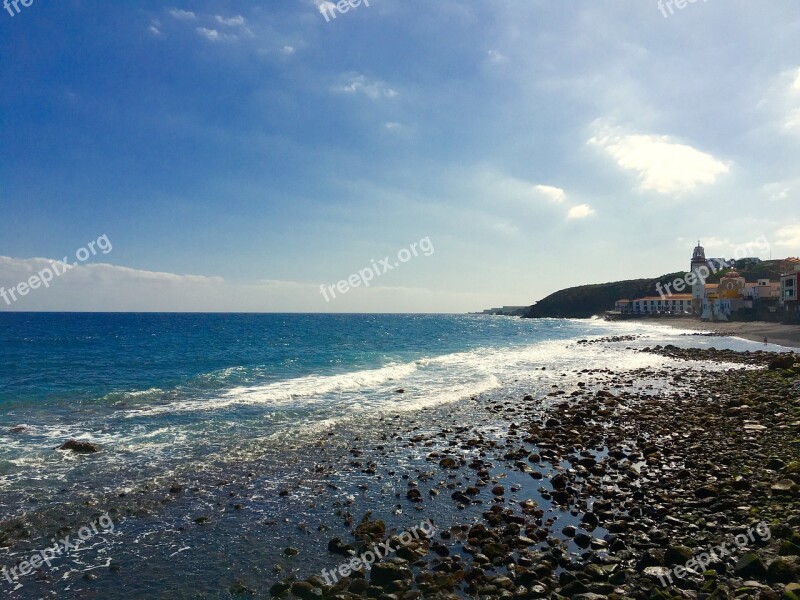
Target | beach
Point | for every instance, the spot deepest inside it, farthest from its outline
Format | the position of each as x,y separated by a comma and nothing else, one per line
756,331
593,475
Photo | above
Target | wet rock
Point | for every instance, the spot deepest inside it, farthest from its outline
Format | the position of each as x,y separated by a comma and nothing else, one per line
358,586
590,519
573,588
280,588
448,463
414,495
240,589
374,529
336,546
79,447
18,429
306,591
394,569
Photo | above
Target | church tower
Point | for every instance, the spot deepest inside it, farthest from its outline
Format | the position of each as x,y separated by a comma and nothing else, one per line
701,271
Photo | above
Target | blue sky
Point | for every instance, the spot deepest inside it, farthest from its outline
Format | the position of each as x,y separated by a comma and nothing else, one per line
239,155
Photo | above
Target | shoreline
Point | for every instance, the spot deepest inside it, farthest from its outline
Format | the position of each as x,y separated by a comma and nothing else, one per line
584,489
755,331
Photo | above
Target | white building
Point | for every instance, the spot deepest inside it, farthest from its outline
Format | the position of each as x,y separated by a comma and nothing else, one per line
674,304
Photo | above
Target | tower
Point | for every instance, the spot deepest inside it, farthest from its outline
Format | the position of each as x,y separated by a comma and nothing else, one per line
700,271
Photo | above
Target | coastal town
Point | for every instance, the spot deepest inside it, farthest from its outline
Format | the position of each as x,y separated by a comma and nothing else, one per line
733,295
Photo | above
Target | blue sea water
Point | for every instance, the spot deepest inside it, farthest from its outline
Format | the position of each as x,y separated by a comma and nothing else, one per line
158,390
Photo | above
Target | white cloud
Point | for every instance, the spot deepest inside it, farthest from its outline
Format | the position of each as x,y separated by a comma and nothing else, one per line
209,34
663,165
789,236
792,121
356,83
183,15
155,27
288,50
14,270
554,194
106,287
777,191
237,21
212,35
782,99
580,211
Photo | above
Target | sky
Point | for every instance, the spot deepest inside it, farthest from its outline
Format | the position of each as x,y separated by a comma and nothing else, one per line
249,156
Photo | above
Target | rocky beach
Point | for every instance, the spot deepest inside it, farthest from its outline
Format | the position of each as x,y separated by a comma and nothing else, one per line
652,480
606,486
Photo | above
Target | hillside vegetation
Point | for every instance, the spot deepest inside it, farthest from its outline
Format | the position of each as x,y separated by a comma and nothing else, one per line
587,300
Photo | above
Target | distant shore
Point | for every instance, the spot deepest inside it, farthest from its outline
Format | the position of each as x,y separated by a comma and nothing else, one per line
756,331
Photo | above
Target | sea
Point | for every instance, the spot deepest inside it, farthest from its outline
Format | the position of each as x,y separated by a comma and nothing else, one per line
165,396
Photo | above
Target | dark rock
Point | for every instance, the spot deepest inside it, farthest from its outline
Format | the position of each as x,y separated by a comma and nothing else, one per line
706,492
280,588
750,565
240,589
414,495
781,570
677,555
776,464
79,447
395,569
336,546
785,361
574,588
306,591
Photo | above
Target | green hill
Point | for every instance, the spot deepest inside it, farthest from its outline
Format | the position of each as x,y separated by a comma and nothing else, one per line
587,300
